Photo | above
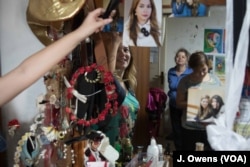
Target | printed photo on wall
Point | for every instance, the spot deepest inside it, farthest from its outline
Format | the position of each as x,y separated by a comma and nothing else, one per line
142,23
211,61
204,104
214,41
188,8
220,65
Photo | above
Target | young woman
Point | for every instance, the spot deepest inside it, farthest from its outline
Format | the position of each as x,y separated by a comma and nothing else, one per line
200,78
205,110
142,27
175,74
119,127
41,62
216,102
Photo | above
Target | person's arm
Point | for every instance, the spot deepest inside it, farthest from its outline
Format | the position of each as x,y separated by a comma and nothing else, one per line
35,66
112,42
120,92
181,98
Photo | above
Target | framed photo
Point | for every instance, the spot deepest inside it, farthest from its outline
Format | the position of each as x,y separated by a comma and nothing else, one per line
204,104
214,41
220,65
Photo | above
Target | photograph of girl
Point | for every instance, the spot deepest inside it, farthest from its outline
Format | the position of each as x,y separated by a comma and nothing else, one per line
142,23
207,107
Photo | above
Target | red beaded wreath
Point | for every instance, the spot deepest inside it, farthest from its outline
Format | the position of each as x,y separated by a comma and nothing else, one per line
111,104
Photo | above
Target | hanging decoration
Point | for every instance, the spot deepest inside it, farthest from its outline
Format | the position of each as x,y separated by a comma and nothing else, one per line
111,105
30,140
13,125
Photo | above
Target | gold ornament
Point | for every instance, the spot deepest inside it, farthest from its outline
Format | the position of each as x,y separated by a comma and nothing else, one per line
47,17
54,10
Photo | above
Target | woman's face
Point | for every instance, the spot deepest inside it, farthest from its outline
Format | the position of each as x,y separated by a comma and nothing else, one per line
214,103
181,58
201,71
123,58
143,11
204,102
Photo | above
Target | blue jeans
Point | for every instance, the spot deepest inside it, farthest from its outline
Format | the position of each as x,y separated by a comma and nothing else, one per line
175,116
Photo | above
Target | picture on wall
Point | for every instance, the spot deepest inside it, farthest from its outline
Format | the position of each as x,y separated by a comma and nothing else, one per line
204,104
142,23
211,61
183,8
220,65
214,41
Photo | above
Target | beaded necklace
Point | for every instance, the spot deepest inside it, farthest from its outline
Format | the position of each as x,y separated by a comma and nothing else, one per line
108,80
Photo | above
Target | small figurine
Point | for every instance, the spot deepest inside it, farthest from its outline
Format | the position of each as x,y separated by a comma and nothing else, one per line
91,153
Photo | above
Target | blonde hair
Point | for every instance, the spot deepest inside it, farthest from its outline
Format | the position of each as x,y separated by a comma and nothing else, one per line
130,74
203,112
197,59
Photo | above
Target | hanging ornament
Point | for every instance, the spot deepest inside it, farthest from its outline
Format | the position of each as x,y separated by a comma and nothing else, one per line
111,105
13,125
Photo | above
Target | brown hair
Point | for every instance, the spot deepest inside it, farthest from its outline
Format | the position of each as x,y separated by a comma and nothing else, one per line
203,112
197,59
182,50
130,74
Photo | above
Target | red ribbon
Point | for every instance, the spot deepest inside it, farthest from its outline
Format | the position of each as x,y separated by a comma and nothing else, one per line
14,122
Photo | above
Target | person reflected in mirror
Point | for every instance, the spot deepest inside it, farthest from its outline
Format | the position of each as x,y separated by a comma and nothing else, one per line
200,78
142,27
120,126
175,74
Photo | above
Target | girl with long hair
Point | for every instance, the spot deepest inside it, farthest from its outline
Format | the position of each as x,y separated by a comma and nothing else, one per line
142,27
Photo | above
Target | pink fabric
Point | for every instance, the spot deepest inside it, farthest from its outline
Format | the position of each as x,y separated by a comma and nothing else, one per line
156,99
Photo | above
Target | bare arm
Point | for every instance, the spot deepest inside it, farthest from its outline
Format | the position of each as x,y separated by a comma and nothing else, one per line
35,66
181,101
112,43
181,97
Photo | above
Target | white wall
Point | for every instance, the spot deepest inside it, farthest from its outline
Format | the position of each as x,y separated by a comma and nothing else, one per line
182,32
17,43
